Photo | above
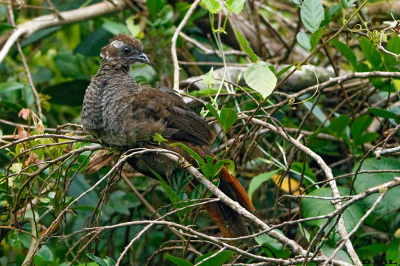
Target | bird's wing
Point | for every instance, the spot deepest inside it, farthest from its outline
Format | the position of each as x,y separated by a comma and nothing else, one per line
181,124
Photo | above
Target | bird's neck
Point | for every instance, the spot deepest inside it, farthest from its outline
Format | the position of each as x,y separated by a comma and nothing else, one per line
112,69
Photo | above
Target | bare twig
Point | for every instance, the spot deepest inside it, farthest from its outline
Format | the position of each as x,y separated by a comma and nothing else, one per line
173,43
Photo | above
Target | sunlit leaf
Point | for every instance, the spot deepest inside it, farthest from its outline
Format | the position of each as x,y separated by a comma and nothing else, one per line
312,14
260,78
209,77
212,6
235,6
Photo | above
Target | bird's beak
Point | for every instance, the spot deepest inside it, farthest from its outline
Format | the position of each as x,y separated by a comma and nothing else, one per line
140,58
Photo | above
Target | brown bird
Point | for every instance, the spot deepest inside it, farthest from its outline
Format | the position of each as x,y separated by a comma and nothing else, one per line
122,113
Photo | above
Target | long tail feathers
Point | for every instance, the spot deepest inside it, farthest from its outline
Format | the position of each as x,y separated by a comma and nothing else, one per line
229,221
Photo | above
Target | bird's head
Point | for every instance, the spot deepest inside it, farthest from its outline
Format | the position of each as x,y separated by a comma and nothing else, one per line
124,51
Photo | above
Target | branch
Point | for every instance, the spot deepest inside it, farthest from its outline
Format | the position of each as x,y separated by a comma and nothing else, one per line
173,43
68,17
328,172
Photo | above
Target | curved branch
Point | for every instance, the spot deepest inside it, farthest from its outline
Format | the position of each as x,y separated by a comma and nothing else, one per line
68,17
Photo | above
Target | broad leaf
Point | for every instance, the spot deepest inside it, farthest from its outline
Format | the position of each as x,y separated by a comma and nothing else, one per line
154,7
346,52
371,53
228,117
212,6
312,14
393,46
98,260
271,247
260,78
390,202
235,6
115,27
316,207
359,125
304,40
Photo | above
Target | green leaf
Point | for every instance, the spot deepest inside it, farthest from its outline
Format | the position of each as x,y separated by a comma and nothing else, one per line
154,7
260,78
192,153
178,261
230,165
10,86
359,125
390,202
256,181
158,138
393,251
98,260
271,247
212,6
245,45
284,70
315,37
342,255
393,46
304,40
235,6
383,113
209,77
45,253
218,259
68,93
371,53
212,110
309,176
346,52
115,27
338,125
312,14
368,252
366,138
317,207
347,3
134,29
6,26
111,261
228,117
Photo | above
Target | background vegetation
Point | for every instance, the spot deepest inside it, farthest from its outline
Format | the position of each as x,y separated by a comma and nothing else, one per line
304,96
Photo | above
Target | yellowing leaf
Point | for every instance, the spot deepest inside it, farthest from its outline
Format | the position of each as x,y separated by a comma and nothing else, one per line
397,233
284,185
16,167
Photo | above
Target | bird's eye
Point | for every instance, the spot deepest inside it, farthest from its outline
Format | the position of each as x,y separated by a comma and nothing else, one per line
126,49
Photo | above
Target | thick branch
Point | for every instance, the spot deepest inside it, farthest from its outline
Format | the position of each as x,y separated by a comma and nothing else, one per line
68,17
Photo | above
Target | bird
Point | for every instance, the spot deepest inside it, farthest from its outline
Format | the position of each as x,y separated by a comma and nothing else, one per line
122,113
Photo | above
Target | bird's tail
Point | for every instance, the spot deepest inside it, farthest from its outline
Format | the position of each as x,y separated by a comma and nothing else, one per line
229,221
